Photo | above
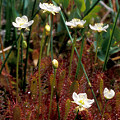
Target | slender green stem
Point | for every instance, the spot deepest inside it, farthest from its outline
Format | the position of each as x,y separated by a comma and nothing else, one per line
80,58
17,65
76,115
112,14
52,86
39,76
110,41
58,106
117,4
51,36
22,38
104,109
27,52
96,52
9,54
98,40
23,7
72,53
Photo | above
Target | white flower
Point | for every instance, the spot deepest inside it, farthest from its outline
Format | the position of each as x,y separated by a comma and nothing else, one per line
108,94
76,23
99,27
50,8
82,100
22,22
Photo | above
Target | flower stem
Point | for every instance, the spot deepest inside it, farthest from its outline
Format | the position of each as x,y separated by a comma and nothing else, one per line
17,65
39,76
80,57
98,36
52,86
72,53
110,41
51,28
58,106
76,115
22,37
104,109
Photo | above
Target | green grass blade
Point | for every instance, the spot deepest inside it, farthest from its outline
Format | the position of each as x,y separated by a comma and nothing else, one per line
110,41
80,58
51,36
0,12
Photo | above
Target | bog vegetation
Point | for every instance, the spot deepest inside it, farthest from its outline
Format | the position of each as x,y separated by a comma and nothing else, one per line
59,60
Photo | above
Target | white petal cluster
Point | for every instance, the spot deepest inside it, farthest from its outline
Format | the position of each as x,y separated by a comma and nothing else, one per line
108,94
49,8
76,23
22,22
82,100
99,27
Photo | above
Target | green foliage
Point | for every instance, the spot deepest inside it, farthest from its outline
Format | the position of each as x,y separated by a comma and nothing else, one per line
64,3
92,14
105,40
81,5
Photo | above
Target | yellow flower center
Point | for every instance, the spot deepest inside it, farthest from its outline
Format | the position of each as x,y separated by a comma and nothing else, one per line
82,102
22,24
99,29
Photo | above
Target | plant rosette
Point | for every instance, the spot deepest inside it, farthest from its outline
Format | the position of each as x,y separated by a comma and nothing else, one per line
50,8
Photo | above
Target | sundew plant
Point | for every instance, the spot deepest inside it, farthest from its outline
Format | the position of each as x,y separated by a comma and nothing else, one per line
59,60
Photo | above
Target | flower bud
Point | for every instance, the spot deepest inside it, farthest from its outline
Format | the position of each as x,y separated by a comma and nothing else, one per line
24,44
47,28
55,63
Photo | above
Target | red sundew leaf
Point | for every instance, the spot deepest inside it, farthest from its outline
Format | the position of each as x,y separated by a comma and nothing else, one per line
16,112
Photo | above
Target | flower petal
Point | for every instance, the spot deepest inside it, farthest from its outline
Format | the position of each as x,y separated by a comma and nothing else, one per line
92,27
24,18
24,25
90,101
105,91
82,96
87,105
30,22
18,20
105,27
15,24
75,96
